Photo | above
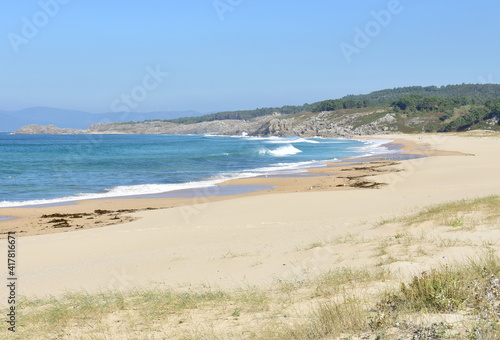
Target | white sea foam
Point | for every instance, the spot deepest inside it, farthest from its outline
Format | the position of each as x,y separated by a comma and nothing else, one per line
120,191
283,168
274,169
335,141
281,151
218,154
373,147
370,147
293,141
271,139
243,135
260,138
149,189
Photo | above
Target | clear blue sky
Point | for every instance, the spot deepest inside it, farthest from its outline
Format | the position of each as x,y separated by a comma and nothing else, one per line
263,52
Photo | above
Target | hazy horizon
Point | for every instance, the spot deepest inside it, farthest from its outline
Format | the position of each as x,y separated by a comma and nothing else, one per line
220,55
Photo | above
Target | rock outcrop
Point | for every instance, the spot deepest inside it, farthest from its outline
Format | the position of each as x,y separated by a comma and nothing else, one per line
219,127
326,124
47,130
332,124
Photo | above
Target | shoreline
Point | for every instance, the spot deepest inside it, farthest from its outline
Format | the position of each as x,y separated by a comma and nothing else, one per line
290,170
346,174
22,215
258,238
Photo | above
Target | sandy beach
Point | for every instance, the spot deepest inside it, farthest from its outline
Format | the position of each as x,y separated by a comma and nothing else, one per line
344,175
257,238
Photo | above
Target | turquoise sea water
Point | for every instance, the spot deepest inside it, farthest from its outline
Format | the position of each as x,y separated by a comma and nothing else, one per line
38,169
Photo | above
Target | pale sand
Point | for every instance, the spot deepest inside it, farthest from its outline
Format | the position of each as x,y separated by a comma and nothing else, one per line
258,238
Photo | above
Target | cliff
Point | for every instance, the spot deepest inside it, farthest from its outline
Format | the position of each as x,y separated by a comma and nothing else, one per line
339,123
327,124
406,109
332,124
219,127
47,130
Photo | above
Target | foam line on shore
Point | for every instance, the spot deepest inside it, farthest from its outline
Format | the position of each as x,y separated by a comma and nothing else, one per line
372,147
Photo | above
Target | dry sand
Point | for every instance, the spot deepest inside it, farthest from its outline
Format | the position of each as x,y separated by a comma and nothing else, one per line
291,231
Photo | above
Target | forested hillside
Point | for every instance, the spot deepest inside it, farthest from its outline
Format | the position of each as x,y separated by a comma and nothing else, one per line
401,110
451,114
445,108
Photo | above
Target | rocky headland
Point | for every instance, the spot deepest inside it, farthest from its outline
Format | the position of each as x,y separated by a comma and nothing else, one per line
326,124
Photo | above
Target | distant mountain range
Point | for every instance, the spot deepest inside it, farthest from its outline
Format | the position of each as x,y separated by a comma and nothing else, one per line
447,108
14,120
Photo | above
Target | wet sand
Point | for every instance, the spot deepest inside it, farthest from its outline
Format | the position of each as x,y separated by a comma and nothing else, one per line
252,238
346,174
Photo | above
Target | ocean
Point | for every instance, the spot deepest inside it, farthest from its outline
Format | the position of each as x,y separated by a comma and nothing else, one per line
48,169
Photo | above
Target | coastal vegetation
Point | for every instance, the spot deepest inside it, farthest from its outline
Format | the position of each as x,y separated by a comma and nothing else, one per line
412,109
449,302
452,300
440,105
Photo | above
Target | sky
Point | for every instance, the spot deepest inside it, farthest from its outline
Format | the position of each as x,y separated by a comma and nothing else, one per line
218,55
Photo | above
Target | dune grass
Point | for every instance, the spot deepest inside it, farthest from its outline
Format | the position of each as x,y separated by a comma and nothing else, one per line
335,309
459,215
343,303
